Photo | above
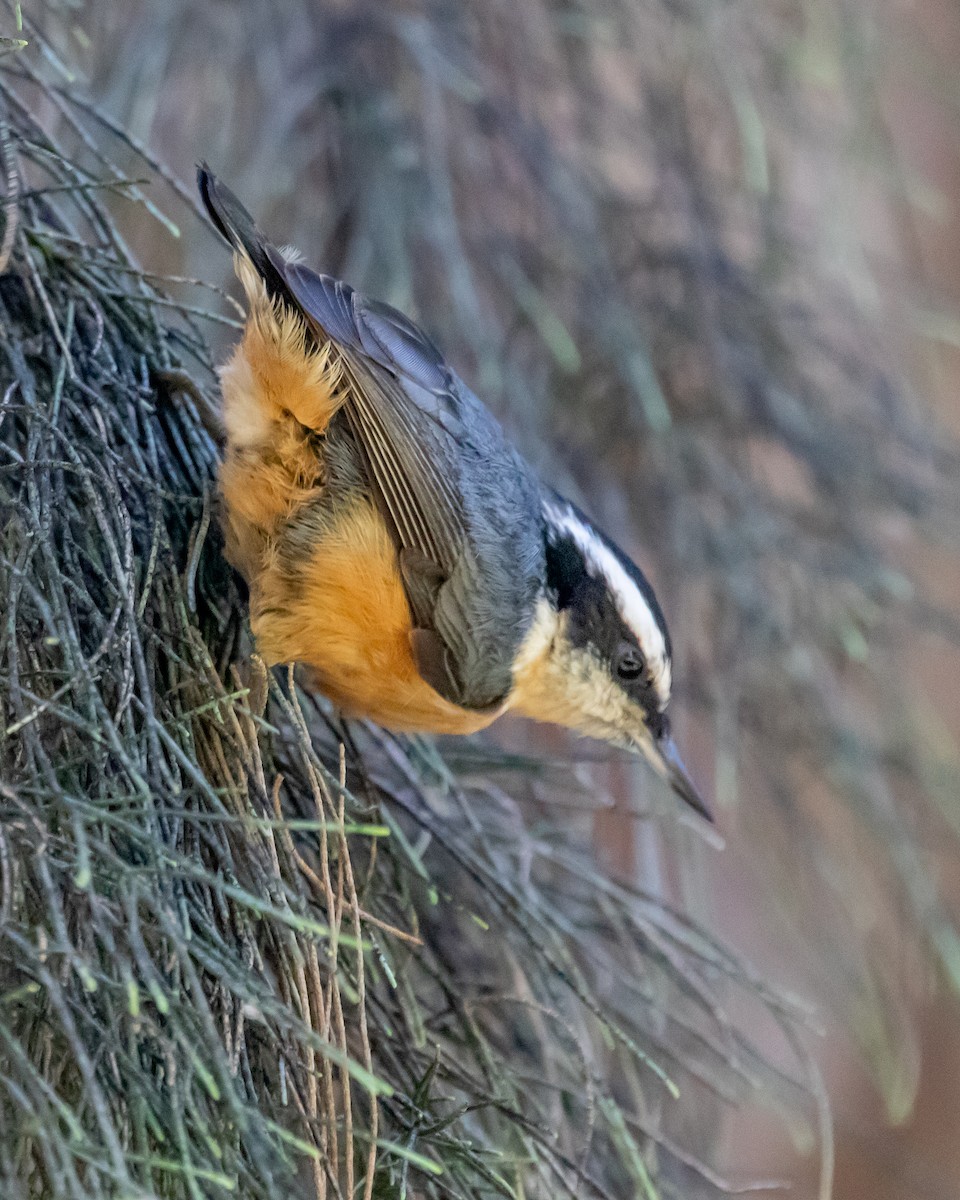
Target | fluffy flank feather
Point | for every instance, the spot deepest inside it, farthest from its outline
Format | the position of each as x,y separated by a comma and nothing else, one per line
277,368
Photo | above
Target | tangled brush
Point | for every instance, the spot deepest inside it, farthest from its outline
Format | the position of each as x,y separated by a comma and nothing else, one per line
244,949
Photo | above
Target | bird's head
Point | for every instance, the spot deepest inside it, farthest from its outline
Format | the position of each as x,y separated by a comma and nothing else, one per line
597,658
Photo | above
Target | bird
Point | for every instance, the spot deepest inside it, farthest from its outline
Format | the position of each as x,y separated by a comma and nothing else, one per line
396,544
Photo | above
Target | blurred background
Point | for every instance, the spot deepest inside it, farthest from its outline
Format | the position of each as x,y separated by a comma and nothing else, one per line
702,259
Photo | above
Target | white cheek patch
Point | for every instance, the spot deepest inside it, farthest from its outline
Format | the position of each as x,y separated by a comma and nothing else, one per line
629,599
568,685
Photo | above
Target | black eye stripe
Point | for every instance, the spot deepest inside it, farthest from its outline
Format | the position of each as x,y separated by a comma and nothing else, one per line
595,623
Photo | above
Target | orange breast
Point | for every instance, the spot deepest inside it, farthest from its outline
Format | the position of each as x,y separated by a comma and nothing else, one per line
346,616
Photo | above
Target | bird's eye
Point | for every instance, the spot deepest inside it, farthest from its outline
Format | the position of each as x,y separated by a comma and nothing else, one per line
629,663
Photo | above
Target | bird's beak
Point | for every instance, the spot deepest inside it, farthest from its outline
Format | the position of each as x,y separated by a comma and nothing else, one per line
667,760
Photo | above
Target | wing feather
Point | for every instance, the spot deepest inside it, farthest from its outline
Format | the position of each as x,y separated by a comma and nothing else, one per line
445,478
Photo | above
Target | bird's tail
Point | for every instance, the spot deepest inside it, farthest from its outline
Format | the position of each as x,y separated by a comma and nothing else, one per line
236,225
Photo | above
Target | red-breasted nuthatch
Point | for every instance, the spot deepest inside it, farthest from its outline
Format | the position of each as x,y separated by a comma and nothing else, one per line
397,544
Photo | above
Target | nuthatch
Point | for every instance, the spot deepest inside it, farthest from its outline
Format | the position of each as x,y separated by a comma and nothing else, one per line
396,543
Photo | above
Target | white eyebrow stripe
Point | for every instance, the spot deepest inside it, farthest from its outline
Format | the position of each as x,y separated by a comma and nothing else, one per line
630,601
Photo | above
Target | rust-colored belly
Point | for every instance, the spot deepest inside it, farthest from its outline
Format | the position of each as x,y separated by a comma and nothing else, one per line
346,616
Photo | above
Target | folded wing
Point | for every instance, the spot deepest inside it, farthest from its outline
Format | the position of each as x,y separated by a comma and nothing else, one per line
463,507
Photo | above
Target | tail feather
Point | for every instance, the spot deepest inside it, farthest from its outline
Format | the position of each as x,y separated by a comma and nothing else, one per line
237,226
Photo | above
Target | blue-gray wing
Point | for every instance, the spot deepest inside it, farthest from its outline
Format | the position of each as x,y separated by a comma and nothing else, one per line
463,506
